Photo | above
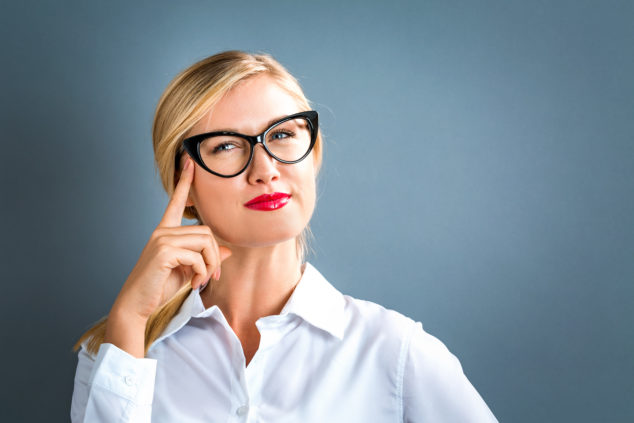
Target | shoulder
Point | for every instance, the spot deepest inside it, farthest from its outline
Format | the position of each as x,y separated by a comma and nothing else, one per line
373,316
412,347
429,357
377,326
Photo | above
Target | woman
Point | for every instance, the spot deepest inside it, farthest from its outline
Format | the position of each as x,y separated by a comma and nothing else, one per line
224,321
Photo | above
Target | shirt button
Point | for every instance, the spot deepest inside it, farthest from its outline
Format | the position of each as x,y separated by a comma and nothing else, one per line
241,411
129,380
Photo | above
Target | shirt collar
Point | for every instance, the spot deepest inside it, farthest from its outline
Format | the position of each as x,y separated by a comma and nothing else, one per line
314,299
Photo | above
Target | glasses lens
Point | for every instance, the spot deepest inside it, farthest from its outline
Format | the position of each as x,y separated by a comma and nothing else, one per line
225,154
289,140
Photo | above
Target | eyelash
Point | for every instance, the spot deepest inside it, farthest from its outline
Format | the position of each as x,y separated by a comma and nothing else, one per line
220,147
285,132
279,131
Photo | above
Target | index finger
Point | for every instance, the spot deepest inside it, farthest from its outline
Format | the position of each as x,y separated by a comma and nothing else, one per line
173,215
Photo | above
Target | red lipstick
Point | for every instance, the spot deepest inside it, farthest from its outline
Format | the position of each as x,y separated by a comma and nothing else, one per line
268,202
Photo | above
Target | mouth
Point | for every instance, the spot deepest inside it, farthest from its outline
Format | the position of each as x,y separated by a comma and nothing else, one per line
267,202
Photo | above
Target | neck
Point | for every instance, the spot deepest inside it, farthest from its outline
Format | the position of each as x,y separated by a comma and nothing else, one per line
254,282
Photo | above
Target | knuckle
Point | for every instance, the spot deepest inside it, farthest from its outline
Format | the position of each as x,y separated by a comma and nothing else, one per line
161,241
205,254
163,250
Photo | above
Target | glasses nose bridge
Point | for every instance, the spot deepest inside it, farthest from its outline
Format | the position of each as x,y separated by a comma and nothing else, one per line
259,139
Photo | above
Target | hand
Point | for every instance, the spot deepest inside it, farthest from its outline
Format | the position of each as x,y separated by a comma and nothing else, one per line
173,256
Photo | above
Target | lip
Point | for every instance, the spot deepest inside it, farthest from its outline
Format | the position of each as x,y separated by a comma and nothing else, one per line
268,202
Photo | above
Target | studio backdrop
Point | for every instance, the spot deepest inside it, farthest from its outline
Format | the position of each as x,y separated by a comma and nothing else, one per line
478,177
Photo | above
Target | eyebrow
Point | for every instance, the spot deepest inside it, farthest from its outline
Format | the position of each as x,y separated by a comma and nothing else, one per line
268,125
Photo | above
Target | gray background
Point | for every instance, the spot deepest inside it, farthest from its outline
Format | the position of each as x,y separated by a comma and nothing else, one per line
478,177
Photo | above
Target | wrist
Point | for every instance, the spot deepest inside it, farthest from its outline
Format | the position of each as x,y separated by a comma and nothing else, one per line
126,331
123,315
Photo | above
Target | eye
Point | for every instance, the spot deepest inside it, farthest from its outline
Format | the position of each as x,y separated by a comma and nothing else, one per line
223,147
281,134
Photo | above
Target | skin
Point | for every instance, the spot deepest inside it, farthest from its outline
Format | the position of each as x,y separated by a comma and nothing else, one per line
263,269
250,254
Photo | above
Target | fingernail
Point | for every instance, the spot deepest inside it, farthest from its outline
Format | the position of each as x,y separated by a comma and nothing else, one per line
217,274
187,164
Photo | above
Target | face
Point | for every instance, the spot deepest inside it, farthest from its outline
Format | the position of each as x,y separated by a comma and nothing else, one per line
248,108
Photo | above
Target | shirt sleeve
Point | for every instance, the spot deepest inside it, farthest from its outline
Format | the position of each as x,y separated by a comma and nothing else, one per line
435,389
112,386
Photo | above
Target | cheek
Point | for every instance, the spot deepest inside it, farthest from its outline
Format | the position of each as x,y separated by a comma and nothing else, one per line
308,187
211,196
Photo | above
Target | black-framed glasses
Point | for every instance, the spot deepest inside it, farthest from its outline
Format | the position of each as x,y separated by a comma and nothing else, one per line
227,154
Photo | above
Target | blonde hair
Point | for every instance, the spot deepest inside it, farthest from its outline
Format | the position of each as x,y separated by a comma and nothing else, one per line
188,97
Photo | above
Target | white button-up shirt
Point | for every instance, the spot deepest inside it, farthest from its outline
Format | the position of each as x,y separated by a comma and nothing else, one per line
326,357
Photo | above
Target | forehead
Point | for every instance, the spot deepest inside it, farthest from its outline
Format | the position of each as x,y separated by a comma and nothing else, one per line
248,107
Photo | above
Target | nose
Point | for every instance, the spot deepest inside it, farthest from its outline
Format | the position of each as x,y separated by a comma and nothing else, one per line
263,168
